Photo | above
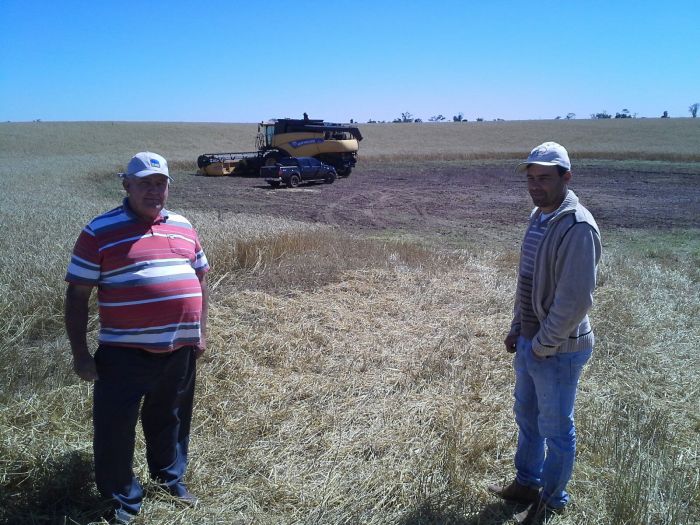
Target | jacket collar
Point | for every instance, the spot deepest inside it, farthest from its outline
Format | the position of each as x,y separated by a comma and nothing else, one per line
567,206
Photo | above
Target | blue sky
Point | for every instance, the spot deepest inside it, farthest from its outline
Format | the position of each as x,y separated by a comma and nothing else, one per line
228,61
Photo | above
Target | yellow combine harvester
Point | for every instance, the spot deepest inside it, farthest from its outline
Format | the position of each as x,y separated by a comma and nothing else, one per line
334,144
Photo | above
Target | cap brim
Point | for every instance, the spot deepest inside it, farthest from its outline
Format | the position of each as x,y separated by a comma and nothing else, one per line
522,167
146,173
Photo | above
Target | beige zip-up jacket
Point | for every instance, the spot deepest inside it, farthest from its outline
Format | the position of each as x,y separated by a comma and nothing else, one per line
563,281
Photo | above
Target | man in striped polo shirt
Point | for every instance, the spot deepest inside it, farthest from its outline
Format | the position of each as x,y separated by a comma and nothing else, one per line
550,333
149,270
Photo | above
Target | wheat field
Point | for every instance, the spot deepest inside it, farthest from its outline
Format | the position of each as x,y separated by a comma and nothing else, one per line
645,139
373,388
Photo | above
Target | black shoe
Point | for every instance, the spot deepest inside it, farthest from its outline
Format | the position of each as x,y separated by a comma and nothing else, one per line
538,513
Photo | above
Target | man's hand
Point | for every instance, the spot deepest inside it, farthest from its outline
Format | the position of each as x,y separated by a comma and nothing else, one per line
200,349
510,342
537,357
84,367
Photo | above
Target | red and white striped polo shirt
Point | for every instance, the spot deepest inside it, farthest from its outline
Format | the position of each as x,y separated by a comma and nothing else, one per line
149,293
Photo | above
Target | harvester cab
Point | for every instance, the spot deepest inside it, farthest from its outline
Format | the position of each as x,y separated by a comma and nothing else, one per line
266,132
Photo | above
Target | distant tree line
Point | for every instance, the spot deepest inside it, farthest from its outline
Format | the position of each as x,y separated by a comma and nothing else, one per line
407,116
625,113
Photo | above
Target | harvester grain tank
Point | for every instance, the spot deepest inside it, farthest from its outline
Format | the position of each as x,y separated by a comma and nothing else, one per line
334,144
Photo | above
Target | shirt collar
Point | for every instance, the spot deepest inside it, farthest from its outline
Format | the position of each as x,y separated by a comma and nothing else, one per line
544,217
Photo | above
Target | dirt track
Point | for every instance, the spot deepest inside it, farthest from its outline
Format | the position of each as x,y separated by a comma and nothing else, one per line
445,199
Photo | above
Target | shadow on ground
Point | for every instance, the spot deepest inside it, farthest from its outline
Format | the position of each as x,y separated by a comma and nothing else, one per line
60,491
464,514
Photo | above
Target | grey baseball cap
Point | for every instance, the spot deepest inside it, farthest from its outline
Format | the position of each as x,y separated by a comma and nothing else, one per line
146,163
547,154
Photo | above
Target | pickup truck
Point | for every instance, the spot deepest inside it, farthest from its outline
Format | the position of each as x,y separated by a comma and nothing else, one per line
292,171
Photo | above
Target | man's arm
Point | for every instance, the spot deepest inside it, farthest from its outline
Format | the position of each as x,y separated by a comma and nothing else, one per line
205,312
512,337
76,316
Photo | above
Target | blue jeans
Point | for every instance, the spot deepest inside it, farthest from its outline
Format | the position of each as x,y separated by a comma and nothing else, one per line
545,392
165,383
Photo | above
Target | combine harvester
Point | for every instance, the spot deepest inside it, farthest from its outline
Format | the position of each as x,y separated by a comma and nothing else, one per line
334,144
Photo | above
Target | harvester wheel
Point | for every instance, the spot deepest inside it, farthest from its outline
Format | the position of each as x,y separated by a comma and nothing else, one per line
293,181
344,172
241,167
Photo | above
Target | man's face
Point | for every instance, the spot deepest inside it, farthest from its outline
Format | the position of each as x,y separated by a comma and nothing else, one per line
546,187
147,195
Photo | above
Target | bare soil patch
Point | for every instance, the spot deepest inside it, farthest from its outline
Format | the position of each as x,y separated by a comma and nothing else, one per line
449,198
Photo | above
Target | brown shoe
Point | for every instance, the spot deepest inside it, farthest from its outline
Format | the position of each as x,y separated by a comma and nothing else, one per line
536,514
516,492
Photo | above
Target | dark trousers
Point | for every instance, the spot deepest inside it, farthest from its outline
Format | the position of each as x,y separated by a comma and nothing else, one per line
165,383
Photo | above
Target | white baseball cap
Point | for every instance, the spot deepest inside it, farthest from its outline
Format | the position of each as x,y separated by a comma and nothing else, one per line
547,154
146,163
